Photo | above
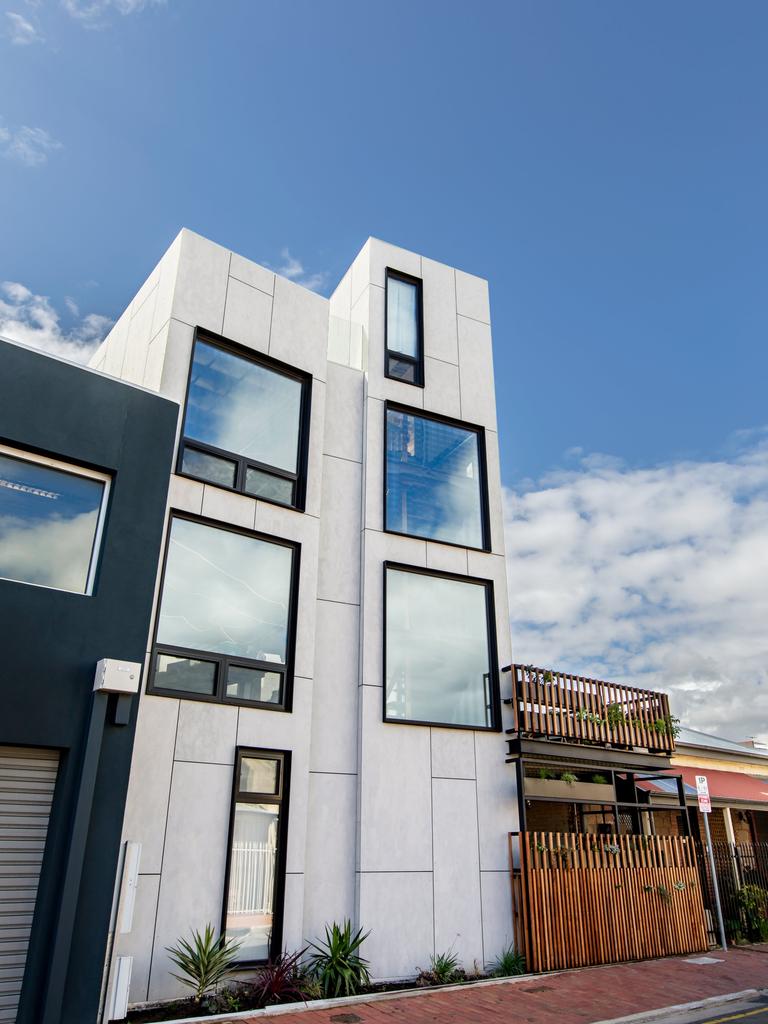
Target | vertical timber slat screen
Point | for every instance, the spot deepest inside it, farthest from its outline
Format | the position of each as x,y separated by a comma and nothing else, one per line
584,899
590,711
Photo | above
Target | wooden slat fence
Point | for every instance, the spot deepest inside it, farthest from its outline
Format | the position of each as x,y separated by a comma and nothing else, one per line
585,899
556,704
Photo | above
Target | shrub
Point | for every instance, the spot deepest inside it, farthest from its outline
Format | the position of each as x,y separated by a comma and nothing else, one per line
753,901
336,963
599,780
568,777
443,969
205,962
508,963
279,981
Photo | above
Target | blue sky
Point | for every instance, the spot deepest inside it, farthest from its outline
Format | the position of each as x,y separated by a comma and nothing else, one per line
604,165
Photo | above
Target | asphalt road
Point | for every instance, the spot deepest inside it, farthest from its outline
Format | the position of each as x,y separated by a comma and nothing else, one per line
748,1011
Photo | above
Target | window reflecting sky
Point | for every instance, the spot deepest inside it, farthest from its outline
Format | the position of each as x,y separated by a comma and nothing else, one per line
438,663
225,592
433,480
48,521
402,317
243,407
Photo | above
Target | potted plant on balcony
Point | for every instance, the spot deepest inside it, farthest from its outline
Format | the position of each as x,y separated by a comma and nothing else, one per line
554,782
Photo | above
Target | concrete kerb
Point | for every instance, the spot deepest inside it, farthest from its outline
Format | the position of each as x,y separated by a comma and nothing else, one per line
698,1004
374,997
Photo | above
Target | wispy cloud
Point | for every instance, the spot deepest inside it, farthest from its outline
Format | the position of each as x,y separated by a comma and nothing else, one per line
294,270
656,576
26,145
92,13
21,31
32,320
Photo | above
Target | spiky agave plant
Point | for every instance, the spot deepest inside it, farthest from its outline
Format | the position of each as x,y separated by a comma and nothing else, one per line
336,962
204,962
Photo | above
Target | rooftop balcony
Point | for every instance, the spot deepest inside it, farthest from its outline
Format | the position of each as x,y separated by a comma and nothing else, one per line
553,705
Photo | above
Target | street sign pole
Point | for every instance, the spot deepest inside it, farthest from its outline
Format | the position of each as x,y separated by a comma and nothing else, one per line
705,806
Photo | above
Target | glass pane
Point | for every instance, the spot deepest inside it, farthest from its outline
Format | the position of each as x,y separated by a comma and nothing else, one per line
186,674
209,467
402,369
225,592
264,485
434,480
48,521
243,407
251,893
402,317
438,663
259,775
254,684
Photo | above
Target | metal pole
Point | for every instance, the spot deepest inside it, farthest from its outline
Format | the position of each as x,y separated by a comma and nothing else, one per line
714,882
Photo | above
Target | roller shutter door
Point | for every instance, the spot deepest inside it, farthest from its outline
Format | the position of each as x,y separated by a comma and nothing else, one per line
27,780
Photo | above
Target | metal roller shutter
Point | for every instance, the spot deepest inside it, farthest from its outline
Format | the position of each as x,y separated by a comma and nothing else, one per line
27,780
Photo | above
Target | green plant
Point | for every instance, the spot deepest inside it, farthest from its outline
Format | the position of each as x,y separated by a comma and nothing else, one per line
568,777
667,725
205,962
279,981
443,969
508,963
599,780
664,894
546,773
615,716
336,962
753,901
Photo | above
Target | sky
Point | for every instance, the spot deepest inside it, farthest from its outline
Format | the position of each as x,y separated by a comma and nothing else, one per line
604,165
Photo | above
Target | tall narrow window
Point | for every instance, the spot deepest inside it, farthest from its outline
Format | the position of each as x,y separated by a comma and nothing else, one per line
225,625
253,901
404,329
245,425
439,649
435,479
51,520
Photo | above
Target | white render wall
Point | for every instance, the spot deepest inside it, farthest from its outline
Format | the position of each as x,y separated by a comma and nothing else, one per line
403,828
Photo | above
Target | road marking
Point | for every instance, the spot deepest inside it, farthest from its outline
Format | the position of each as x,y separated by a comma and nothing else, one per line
738,1016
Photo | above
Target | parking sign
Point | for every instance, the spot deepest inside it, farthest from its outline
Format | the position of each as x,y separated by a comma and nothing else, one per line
702,791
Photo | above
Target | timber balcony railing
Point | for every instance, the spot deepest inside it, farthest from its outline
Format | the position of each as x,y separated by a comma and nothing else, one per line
556,705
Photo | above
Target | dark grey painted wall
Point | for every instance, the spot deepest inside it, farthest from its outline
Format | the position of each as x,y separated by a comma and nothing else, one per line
52,641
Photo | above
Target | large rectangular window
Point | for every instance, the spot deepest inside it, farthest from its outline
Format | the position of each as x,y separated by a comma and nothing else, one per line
440,649
253,899
245,425
404,328
51,520
435,479
226,621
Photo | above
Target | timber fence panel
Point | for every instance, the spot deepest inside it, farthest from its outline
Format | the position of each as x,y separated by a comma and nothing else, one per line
585,899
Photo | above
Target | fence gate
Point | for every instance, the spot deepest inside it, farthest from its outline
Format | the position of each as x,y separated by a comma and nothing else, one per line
583,899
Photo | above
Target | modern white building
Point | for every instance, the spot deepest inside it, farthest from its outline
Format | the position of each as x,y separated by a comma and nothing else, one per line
320,727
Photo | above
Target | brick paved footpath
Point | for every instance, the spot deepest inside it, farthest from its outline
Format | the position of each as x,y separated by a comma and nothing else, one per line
575,997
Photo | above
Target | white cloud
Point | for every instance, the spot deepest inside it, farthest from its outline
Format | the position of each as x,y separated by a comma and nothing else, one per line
91,13
653,576
21,31
32,320
294,270
29,146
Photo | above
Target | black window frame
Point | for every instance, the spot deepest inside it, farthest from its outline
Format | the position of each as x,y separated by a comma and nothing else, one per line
485,512
493,657
281,799
223,661
389,353
242,462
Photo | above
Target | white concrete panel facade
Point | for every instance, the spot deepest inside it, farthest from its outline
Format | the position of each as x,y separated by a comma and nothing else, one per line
401,827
